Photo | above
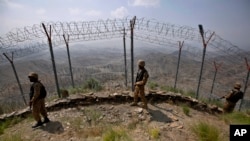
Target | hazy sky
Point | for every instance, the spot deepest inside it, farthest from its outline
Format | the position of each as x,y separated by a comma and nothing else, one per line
228,18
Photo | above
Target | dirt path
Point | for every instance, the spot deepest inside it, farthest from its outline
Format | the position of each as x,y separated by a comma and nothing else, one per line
162,121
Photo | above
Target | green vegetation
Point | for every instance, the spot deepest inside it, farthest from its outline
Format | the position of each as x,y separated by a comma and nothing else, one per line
10,107
152,85
154,133
213,102
77,90
93,115
12,137
185,109
190,93
92,84
132,124
206,132
236,118
116,134
8,123
171,89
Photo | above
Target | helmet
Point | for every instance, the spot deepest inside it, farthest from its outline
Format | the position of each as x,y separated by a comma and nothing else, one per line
141,63
33,74
237,85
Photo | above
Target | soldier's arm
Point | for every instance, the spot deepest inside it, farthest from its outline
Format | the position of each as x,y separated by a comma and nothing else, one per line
37,87
144,80
228,95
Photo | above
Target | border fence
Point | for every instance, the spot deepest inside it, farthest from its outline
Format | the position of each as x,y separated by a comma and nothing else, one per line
204,46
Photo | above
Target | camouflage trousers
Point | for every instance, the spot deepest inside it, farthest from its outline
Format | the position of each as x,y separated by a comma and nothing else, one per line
228,107
38,107
139,91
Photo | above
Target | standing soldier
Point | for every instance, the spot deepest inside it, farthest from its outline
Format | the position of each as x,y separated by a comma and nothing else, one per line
141,80
37,100
232,98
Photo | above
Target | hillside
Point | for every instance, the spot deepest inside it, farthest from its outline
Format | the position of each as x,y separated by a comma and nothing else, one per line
164,120
106,64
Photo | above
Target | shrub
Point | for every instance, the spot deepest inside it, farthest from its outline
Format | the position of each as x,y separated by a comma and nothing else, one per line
93,115
76,90
172,89
8,123
116,135
216,102
12,137
92,84
186,110
206,132
152,85
154,133
236,118
190,93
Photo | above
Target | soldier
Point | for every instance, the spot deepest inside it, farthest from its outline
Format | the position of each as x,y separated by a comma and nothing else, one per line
37,101
232,98
141,80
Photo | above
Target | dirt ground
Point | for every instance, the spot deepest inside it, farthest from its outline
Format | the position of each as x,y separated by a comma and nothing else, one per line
162,121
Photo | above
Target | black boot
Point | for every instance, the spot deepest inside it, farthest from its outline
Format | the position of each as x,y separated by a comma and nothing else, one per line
39,123
46,120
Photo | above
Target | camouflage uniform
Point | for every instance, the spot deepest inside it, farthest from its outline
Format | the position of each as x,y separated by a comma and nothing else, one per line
141,80
232,98
38,103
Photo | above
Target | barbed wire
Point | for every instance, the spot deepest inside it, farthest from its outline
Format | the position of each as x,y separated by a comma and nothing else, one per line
30,39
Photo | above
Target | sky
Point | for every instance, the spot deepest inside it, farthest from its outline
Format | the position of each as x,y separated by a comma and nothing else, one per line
230,19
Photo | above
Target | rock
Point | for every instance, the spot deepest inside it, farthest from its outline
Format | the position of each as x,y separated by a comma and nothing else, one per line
152,91
160,92
129,114
139,110
174,124
112,107
65,93
142,117
180,127
91,93
126,92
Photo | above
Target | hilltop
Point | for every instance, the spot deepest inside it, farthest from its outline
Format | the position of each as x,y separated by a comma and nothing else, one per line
88,121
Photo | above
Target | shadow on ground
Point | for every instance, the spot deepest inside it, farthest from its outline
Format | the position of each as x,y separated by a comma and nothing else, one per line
53,127
159,116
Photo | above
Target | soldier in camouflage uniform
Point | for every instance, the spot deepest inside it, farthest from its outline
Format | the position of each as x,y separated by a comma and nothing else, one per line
141,80
232,98
36,101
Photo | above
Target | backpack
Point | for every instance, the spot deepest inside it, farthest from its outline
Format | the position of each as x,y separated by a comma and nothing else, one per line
235,96
43,92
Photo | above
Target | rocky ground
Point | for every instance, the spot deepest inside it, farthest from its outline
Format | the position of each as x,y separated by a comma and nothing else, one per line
161,121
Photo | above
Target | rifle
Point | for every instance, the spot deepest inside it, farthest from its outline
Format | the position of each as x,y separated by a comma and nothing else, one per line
30,104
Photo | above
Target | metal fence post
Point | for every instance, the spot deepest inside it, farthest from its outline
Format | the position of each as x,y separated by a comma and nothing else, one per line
215,73
70,68
203,56
246,83
52,58
132,24
125,58
179,57
14,69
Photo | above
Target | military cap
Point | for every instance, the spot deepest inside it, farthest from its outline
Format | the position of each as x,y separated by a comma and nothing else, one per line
33,74
141,63
237,85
